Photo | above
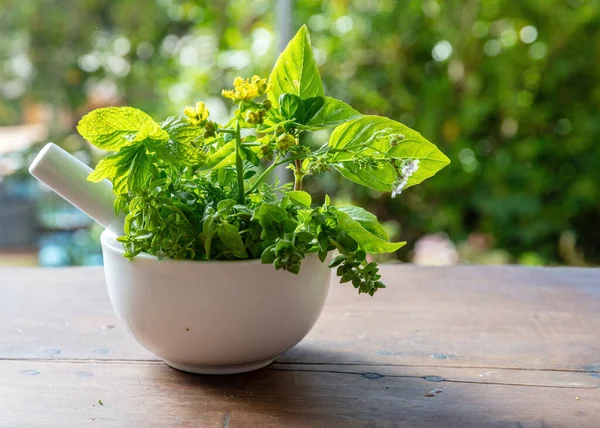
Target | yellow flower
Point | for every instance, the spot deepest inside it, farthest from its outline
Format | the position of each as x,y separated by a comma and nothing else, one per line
197,116
202,110
246,89
190,112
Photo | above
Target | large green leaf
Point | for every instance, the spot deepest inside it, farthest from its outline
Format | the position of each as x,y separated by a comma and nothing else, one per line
372,136
106,168
431,159
365,239
225,156
107,128
295,71
128,169
291,107
326,112
266,214
381,179
366,219
184,144
300,197
183,132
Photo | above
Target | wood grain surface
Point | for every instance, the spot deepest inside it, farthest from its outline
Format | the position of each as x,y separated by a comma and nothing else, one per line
508,346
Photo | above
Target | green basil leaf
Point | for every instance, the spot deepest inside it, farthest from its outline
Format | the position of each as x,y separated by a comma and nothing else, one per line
337,260
296,71
249,174
268,255
291,107
208,228
323,242
366,220
225,205
230,236
224,156
322,255
111,128
269,213
365,239
289,225
431,159
300,197
381,179
326,112
371,136
251,156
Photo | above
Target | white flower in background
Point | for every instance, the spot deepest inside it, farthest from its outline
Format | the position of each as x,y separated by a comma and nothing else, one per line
406,171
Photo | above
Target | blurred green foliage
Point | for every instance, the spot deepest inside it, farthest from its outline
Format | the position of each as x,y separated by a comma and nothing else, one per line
508,90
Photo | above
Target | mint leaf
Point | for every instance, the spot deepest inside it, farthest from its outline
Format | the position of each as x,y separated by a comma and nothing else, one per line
184,143
135,172
366,219
225,205
128,169
232,239
296,71
150,130
365,239
112,128
326,112
299,197
181,131
106,168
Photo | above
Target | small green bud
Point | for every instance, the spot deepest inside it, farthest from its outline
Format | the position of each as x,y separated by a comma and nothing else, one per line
210,129
279,130
251,117
267,104
285,142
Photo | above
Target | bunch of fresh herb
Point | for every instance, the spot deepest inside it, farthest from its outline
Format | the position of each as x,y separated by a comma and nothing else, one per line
190,190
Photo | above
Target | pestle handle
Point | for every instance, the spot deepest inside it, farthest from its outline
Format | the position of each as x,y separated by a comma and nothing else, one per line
67,176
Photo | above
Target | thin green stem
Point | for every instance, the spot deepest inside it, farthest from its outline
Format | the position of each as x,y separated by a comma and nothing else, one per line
338,246
226,131
239,165
298,175
264,175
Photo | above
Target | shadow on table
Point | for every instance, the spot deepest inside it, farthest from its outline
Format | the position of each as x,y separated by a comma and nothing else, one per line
292,395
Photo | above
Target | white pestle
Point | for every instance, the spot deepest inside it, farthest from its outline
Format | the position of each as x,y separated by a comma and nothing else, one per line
67,176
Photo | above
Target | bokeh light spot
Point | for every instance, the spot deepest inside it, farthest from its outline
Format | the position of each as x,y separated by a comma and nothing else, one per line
528,34
442,51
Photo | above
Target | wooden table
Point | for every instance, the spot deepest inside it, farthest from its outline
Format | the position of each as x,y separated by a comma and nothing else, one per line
508,346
